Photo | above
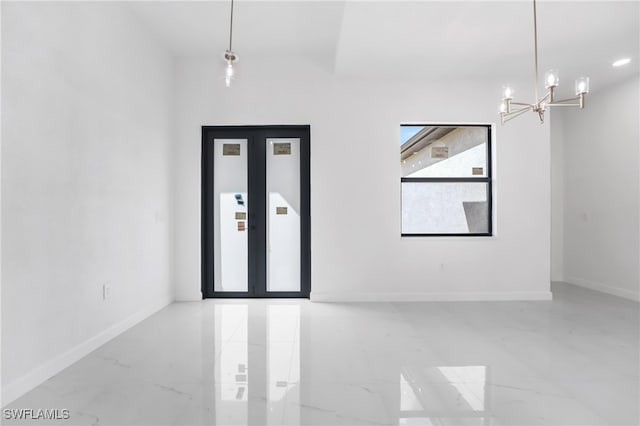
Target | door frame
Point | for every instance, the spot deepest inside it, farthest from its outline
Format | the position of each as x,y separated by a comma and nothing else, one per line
257,229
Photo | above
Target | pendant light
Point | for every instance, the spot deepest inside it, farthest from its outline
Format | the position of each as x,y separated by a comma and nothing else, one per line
230,57
551,80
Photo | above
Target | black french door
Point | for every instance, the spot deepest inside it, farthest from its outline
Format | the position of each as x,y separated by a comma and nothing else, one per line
255,211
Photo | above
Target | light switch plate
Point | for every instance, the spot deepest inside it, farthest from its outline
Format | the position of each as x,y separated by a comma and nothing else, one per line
106,291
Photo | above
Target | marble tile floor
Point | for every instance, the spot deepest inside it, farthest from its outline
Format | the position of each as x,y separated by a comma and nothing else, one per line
571,361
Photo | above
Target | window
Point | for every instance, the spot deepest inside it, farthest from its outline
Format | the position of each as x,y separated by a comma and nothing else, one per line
446,180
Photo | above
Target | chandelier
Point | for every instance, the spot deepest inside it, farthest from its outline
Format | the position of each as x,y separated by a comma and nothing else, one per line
230,57
551,80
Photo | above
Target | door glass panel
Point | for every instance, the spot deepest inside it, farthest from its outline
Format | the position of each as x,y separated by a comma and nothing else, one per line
283,214
230,215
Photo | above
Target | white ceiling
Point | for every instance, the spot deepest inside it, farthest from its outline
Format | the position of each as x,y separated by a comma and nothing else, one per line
426,39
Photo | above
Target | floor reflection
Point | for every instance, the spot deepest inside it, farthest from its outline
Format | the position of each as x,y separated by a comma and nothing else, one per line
259,365
283,355
258,377
232,373
293,362
444,395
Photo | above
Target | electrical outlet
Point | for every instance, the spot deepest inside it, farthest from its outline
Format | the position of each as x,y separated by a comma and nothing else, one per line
106,291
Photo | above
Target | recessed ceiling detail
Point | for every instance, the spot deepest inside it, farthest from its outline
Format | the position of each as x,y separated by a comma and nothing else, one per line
433,40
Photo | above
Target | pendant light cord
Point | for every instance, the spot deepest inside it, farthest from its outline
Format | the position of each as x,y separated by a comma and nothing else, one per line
535,41
231,28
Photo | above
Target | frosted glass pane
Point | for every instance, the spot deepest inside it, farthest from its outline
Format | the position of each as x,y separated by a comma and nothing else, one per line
444,208
444,151
230,215
283,214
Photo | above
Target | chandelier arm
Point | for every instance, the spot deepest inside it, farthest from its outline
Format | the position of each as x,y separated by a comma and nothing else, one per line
545,99
563,101
514,114
517,111
563,105
521,103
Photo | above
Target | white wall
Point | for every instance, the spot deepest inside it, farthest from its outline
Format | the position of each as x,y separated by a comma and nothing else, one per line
357,251
557,195
85,182
602,191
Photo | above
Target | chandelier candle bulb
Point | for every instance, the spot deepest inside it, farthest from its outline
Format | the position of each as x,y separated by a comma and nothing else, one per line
507,92
551,78
582,86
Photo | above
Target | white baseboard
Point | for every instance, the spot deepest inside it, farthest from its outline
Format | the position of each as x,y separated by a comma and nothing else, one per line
429,297
43,372
181,298
615,291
